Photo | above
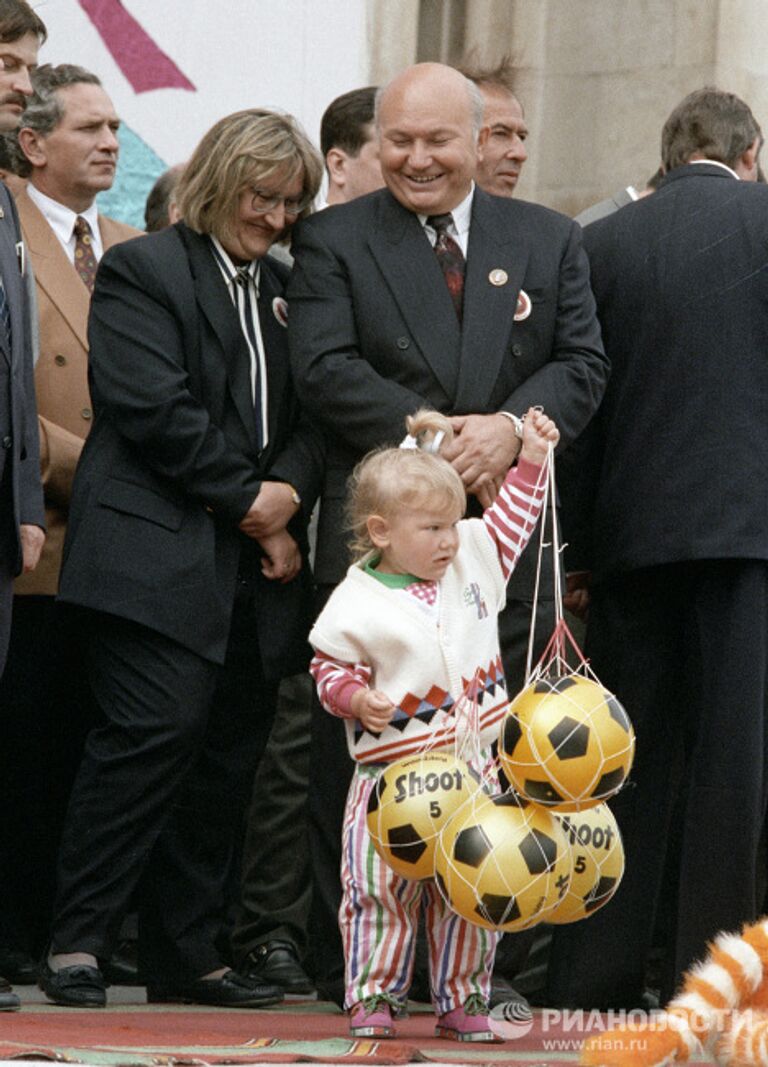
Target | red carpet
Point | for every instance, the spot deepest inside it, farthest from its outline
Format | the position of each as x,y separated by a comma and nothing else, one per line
305,1032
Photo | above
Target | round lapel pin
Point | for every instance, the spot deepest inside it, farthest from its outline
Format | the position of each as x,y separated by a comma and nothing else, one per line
498,277
280,310
523,309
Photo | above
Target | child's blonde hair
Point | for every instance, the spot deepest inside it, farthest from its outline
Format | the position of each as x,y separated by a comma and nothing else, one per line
389,479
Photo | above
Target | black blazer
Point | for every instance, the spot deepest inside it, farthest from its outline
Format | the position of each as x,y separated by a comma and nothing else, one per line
22,497
170,466
373,333
675,463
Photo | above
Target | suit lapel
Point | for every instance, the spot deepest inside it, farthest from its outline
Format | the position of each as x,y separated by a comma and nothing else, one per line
488,309
9,268
410,269
274,337
54,274
216,304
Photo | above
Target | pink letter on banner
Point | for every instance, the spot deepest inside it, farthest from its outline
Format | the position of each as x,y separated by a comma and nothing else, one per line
136,54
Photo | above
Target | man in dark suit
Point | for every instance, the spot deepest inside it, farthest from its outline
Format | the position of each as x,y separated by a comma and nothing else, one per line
22,520
671,519
375,334
185,555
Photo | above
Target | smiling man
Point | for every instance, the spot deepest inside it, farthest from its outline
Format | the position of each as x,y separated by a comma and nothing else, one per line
431,292
67,148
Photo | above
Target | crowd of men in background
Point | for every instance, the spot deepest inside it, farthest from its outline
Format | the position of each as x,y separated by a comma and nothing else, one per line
664,495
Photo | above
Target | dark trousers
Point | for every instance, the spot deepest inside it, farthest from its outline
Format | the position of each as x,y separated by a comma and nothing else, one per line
331,772
685,648
46,711
161,793
276,887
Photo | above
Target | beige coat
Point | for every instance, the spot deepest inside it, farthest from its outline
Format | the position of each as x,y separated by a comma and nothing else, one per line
61,376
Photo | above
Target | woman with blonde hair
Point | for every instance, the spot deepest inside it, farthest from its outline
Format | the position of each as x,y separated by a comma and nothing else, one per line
186,555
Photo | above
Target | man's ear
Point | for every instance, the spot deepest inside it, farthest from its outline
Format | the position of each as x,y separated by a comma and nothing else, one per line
482,140
746,164
336,162
378,530
32,145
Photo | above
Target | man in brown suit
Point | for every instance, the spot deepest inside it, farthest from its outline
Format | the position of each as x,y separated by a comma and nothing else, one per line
67,149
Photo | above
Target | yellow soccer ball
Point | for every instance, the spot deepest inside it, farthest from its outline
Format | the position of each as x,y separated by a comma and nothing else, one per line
502,863
598,863
566,743
409,805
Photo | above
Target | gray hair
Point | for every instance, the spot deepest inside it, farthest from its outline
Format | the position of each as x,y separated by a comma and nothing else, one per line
476,104
44,110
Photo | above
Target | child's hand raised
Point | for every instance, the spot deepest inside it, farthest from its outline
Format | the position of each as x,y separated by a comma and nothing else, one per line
539,432
373,708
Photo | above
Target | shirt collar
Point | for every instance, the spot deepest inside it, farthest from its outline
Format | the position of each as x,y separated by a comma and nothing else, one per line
461,213
714,163
228,268
61,218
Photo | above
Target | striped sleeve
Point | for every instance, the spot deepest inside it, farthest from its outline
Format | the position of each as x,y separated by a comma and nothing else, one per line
338,682
512,516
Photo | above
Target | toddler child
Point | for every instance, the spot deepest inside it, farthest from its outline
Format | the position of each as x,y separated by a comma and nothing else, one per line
396,646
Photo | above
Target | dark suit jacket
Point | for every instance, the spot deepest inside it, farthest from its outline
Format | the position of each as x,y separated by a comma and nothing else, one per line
21,500
374,336
170,466
675,466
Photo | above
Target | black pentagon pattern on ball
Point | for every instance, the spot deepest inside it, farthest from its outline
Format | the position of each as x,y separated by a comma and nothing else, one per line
441,885
510,799
569,739
497,909
617,712
597,894
609,783
554,684
542,792
471,846
539,851
511,734
406,843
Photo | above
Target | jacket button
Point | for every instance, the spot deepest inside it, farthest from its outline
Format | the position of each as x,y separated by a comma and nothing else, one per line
7,441
517,350
86,413
60,360
403,343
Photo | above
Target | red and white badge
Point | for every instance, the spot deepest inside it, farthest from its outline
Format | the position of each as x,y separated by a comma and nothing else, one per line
280,308
523,309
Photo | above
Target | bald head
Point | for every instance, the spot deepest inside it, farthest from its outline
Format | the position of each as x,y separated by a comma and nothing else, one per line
427,120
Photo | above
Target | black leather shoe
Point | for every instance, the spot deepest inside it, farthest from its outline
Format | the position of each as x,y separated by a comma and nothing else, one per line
74,987
277,963
232,990
19,967
8,999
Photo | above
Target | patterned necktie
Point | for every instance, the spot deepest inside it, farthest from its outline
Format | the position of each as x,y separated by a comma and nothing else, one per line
244,278
450,257
5,316
85,259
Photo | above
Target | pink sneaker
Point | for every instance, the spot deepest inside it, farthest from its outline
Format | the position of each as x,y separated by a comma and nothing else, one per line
371,1018
467,1023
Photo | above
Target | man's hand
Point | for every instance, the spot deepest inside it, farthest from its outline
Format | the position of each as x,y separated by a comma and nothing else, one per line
482,451
576,598
373,708
271,510
282,560
32,541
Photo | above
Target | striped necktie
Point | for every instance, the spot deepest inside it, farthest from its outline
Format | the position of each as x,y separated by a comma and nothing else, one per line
244,279
450,257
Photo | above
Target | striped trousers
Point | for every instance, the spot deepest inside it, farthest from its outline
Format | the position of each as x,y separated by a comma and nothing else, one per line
379,917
